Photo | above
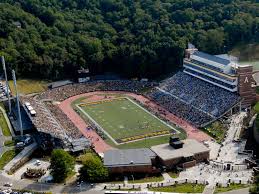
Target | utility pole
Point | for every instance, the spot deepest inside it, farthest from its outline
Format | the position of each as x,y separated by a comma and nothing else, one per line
17,103
7,85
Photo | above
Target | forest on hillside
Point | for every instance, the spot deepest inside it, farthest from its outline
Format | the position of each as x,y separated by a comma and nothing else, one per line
137,38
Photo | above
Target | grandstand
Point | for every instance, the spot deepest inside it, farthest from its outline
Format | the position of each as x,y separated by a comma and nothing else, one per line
213,69
193,99
208,88
199,95
54,127
223,71
52,130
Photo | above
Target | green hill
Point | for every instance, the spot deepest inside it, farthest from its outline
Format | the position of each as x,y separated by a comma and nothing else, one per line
51,39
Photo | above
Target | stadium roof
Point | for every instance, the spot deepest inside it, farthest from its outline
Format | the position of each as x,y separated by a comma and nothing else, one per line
211,57
128,157
59,83
190,147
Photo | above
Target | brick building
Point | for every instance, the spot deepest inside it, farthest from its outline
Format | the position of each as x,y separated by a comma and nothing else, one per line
189,154
130,161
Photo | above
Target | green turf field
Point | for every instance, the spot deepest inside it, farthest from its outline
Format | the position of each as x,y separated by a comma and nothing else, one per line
124,121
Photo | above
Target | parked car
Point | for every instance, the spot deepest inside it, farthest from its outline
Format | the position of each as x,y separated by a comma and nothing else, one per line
38,163
20,145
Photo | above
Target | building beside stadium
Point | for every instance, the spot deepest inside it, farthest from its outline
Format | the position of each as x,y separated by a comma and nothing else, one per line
184,154
208,88
130,161
176,153
222,71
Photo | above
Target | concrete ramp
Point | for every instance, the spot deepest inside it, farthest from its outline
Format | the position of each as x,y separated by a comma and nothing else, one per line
20,159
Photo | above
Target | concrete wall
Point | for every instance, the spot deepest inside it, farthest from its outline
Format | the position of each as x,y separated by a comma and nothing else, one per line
132,169
20,159
200,157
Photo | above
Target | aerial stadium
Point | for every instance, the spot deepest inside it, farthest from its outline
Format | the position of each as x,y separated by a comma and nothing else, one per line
131,113
145,127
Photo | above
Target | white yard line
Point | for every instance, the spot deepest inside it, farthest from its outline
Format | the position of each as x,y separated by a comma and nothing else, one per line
153,115
97,125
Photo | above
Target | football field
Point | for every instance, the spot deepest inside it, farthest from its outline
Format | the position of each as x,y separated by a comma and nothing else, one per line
123,120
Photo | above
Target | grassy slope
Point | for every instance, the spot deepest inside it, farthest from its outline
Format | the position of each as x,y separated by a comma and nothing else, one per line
6,157
28,86
9,143
216,130
230,188
256,107
147,179
4,125
173,174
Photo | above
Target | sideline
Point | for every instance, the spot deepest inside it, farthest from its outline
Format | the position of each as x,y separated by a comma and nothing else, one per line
96,124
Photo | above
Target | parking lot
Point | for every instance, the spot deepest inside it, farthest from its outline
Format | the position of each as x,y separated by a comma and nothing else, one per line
34,164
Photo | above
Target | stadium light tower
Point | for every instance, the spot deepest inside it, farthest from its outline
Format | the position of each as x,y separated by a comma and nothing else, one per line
17,103
7,85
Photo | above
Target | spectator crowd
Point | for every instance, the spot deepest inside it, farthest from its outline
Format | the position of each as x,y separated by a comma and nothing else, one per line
51,120
43,120
67,124
62,93
189,98
193,99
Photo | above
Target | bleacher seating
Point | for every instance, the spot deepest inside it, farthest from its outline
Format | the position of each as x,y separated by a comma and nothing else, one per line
193,99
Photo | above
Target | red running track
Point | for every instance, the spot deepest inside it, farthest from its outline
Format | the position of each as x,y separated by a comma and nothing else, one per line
100,145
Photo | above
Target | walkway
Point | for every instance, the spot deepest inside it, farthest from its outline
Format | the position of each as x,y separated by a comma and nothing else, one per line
227,154
208,190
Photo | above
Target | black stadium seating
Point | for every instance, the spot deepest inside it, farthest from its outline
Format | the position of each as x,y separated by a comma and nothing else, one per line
193,99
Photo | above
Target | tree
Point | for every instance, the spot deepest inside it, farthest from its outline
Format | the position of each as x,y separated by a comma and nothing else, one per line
62,164
93,170
255,188
133,38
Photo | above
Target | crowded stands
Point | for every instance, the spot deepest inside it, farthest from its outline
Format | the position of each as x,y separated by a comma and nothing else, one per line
192,99
44,121
67,124
51,120
62,93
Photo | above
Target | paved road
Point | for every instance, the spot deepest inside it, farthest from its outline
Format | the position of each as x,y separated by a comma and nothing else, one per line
239,191
54,188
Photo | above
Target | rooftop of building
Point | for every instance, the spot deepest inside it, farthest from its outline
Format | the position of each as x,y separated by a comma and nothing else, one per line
213,58
59,83
190,147
128,157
